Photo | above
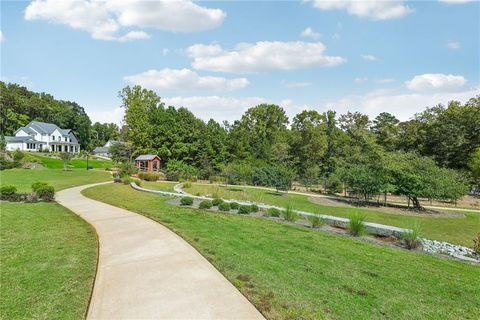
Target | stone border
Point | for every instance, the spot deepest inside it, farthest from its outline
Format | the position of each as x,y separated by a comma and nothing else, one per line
372,228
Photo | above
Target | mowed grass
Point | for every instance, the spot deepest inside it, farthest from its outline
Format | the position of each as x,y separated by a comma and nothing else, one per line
456,230
56,163
60,179
290,272
48,262
160,185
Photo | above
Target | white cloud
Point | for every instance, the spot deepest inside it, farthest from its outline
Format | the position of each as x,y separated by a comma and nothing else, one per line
309,33
293,85
369,57
184,80
165,51
385,80
104,20
2,36
436,82
360,80
453,45
403,106
261,56
113,116
455,1
373,9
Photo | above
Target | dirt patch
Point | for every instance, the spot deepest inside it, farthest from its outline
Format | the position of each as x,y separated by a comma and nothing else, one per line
392,210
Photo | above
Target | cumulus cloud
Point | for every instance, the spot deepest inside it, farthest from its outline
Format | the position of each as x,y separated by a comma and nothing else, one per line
453,45
360,80
2,36
436,82
373,9
309,33
402,105
110,116
261,56
369,57
104,20
184,80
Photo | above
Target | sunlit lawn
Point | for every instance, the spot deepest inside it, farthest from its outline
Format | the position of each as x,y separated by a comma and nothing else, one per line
452,229
56,163
290,272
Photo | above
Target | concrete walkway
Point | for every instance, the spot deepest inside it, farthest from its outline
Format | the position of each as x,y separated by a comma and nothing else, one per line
145,271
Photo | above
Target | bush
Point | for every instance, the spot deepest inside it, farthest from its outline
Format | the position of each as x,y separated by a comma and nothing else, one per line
37,185
46,192
187,184
205,204
7,191
216,202
18,156
411,238
476,244
356,225
149,176
253,208
273,212
177,169
127,180
127,169
290,215
316,221
234,205
186,201
244,209
224,206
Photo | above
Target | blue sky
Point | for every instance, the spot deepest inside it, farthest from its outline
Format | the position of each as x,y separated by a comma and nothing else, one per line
219,58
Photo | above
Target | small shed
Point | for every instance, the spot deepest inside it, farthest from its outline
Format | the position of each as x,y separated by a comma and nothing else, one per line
148,162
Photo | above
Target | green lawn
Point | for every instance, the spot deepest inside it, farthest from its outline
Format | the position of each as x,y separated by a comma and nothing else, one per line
290,272
160,185
48,264
454,230
56,163
23,178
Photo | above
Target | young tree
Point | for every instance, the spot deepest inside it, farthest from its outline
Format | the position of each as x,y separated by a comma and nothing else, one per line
66,157
385,128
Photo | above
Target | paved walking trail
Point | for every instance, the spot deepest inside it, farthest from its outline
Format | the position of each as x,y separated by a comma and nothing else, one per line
146,271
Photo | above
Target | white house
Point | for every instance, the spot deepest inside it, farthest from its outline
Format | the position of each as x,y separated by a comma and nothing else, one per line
39,136
105,150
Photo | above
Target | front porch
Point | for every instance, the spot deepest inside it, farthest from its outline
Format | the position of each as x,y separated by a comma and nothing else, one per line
64,148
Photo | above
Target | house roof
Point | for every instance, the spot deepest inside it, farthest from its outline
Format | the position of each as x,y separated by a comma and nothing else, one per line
27,130
43,127
101,150
144,157
26,139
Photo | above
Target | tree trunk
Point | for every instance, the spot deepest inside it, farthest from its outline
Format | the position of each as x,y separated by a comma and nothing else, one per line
416,203
385,198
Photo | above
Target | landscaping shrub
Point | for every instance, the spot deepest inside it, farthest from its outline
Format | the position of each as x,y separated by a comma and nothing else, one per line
316,221
476,244
216,202
356,225
244,209
187,184
177,169
273,212
205,204
149,176
411,238
253,208
46,192
290,215
37,185
186,201
127,180
7,191
234,205
127,169
224,206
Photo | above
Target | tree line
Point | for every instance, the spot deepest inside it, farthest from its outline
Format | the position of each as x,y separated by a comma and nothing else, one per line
435,154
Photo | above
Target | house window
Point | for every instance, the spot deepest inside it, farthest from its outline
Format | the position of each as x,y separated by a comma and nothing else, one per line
66,139
155,165
53,138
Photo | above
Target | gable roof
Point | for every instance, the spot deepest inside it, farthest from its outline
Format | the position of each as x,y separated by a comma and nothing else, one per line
43,127
147,157
26,139
101,150
27,130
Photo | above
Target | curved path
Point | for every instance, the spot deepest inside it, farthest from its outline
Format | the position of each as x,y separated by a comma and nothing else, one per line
146,271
